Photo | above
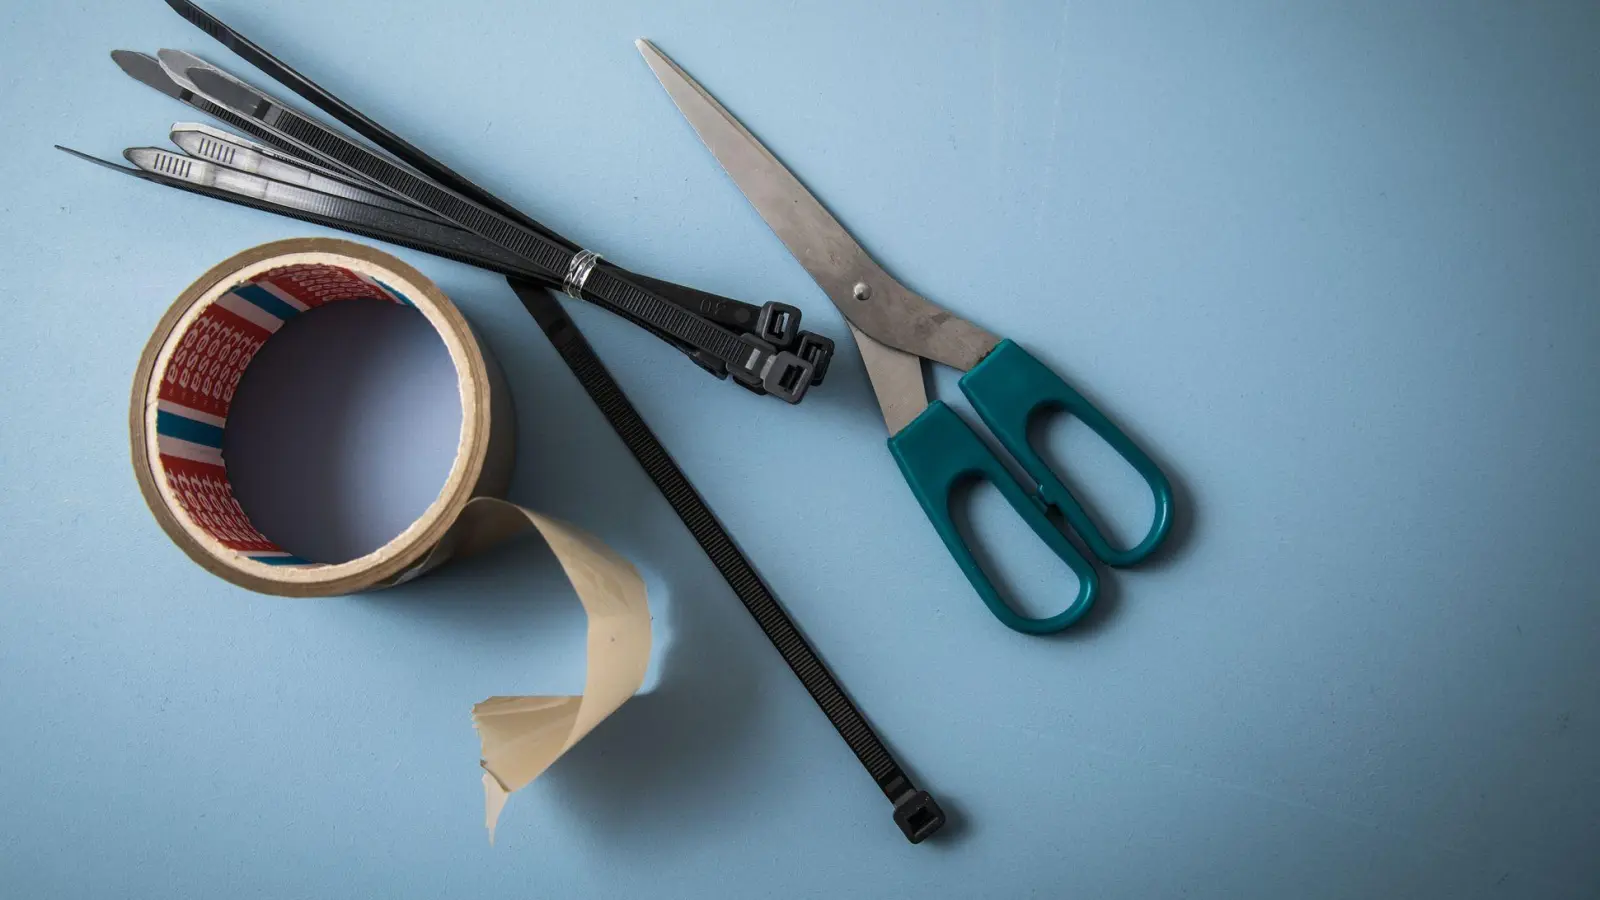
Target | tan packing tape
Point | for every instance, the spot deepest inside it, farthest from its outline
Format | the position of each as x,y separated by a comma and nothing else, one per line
181,395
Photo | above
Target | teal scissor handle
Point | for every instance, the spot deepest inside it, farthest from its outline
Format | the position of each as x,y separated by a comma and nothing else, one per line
1007,389
937,452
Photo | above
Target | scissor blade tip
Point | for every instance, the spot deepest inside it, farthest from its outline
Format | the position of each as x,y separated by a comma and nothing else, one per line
652,54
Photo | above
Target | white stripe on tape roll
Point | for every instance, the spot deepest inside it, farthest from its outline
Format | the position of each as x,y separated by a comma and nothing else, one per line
179,412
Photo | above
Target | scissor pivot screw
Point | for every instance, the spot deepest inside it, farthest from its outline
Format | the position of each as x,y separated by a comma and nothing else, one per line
862,291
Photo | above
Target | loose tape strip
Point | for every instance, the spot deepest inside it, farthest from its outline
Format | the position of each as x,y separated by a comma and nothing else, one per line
181,397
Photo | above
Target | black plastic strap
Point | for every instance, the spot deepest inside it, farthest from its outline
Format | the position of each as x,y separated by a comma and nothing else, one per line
354,217
748,359
751,361
282,73
433,236
916,812
190,98
776,323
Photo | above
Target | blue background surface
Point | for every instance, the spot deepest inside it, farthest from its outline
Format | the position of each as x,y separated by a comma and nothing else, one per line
1335,265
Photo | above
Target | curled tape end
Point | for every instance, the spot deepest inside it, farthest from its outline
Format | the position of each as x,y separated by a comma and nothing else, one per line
494,800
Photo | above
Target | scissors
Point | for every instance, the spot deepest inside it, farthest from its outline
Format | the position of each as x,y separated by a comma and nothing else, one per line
895,329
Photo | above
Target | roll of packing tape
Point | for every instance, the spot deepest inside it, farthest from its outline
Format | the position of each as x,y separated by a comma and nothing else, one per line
179,412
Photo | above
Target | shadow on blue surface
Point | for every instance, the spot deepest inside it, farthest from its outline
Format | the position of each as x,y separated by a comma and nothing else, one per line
667,749
687,745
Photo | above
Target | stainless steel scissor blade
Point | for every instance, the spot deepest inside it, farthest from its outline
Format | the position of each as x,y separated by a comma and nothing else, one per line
872,300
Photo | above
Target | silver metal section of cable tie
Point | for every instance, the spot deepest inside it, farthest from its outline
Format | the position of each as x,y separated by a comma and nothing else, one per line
583,262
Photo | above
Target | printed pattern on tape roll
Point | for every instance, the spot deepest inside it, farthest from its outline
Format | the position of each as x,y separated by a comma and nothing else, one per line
201,375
